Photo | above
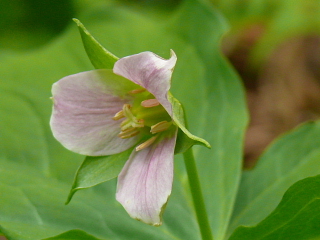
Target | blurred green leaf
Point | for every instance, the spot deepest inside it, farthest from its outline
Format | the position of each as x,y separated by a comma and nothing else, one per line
27,24
291,158
215,108
33,208
285,22
296,217
73,235
96,170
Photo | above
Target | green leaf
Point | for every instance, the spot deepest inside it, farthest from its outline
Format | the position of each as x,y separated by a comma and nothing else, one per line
73,235
215,108
33,208
98,55
296,217
96,170
293,157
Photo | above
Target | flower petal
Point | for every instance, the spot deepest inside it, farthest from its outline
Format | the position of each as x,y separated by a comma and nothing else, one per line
145,181
149,71
84,105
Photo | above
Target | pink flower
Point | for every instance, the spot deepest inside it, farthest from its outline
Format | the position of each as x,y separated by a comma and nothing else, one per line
104,112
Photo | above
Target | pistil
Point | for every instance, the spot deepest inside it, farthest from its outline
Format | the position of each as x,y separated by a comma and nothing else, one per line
138,117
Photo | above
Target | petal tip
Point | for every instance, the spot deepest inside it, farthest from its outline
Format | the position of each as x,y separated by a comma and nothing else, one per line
173,54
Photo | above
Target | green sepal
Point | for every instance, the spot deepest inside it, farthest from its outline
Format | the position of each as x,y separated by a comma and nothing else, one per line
96,170
185,139
98,55
75,234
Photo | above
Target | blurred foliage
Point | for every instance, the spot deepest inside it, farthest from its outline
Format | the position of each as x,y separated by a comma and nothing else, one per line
279,19
30,23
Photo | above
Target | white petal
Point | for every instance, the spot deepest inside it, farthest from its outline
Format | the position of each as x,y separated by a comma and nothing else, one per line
84,105
149,71
145,182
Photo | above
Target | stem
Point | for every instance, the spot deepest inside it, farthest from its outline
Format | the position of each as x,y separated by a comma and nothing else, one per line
197,196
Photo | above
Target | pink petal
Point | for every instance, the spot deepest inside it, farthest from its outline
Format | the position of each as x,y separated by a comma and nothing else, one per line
84,105
145,181
149,71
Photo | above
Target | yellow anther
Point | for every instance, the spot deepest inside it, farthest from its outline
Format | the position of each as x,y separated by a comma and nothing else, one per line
125,124
128,133
139,90
146,143
150,103
160,127
118,115
128,130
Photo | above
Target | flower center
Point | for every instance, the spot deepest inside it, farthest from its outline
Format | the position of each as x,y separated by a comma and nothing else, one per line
146,115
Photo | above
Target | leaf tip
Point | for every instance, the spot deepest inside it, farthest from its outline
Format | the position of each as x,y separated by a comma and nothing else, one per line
206,144
72,192
77,21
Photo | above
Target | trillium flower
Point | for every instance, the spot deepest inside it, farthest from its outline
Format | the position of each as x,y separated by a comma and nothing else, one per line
108,111
104,112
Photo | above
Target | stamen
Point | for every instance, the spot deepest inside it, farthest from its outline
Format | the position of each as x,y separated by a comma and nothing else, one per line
118,115
128,133
125,124
146,143
139,90
150,103
127,130
160,127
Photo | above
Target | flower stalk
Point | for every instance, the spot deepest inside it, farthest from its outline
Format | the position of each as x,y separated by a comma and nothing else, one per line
197,196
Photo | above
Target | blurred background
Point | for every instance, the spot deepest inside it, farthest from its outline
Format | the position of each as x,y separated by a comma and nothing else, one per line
273,45
275,48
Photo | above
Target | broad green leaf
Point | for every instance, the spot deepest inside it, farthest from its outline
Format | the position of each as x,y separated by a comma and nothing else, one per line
293,157
73,235
296,217
98,55
96,170
30,210
215,108
202,81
